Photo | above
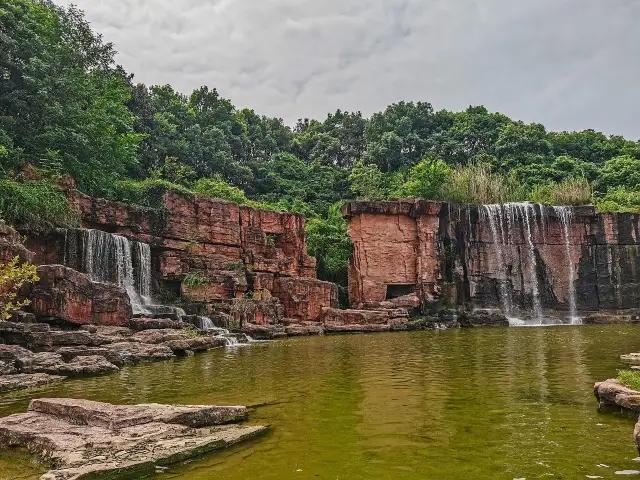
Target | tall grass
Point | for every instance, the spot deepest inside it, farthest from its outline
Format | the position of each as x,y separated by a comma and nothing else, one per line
35,205
573,191
476,183
620,200
629,378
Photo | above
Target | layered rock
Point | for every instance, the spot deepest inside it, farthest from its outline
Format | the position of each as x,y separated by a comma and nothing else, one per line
81,438
525,256
63,294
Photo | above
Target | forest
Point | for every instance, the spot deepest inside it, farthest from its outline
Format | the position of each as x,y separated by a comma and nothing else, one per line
67,108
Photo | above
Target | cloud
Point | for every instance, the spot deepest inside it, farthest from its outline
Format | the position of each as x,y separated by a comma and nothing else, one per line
570,64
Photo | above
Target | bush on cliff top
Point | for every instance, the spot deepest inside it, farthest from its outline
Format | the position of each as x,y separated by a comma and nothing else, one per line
572,191
620,200
35,205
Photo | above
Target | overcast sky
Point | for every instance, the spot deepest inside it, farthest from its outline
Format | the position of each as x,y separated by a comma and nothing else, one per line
570,64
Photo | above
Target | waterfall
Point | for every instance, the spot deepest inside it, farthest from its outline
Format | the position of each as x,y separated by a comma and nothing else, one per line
106,257
231,339
494,215
565,215
526,212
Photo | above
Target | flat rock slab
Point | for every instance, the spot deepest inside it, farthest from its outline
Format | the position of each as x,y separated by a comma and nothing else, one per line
27,380
85,439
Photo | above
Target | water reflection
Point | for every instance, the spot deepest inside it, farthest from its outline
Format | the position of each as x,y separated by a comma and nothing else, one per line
483,404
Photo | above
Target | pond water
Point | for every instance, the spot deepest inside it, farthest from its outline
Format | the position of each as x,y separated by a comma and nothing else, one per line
507,403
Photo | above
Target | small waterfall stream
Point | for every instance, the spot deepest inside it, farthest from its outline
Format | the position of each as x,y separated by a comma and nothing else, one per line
528,215
565,215
231,339
493,214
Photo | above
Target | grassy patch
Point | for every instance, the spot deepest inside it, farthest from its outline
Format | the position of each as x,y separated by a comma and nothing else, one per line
35,205
629,378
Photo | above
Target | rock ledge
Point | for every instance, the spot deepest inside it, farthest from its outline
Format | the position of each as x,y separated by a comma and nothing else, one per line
85,439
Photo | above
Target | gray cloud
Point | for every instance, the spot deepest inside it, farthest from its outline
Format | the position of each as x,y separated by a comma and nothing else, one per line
570,64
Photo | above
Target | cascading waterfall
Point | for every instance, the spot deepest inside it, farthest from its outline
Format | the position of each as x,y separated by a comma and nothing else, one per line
231,339
494,216
527,214
565,215
106,257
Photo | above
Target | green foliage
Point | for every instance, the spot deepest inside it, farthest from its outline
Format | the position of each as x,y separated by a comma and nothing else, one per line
368,182
630,379
620,200
13,276
271,241
174,172
147,193
623,171
62,99
573,191
35,205
478,183
328,240
195,279
216,187
426,179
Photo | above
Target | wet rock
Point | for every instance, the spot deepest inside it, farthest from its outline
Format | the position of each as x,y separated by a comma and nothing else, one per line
140,324
196,344
20,316
22,381
335,316
69,353
83,439
331,327
633,358
13,357
611,395
161,312
132,353
111,305
54,364
264,332
483,318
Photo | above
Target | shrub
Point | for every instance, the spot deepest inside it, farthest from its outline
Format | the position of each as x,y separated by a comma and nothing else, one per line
573,191
368,182
426,179
195,279
35,205
12,277
216,187
620,200
629,378
148,192
477,183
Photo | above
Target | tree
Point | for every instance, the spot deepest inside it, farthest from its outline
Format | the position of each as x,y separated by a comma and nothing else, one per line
13,277
62,100
621,171
367,182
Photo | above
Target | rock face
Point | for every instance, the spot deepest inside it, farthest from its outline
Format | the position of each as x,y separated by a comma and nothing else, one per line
11,245
523,256
67,295
82,439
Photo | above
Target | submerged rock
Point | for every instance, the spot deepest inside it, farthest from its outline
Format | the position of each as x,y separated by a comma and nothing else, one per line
81,438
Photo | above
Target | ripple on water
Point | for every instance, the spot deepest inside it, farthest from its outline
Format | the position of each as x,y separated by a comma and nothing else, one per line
481,404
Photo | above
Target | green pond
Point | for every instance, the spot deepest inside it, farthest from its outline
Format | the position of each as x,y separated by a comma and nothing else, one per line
508,403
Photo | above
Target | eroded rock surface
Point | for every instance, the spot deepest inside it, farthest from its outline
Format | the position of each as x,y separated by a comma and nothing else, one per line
82,439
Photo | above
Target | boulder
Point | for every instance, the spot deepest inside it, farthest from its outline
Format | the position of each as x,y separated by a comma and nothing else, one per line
158,336
611,395
66,295
31,335
195,344
355,317
305,298
140,324
84,439
483,318
132,353
54,364
111,305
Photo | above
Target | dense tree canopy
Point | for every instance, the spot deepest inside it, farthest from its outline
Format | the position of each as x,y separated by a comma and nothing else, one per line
67,108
